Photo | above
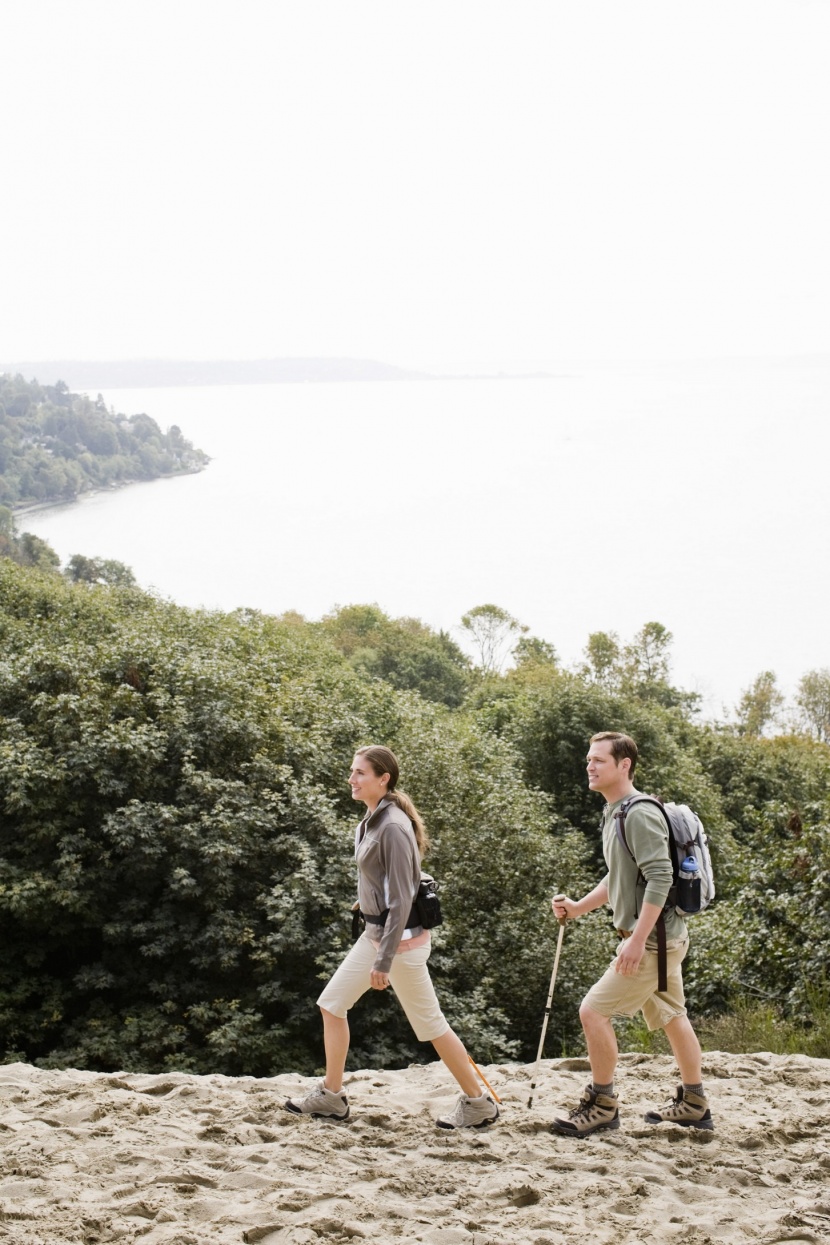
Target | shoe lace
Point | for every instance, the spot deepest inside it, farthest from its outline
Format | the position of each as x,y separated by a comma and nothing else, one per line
456,1118
583,1110
676,1103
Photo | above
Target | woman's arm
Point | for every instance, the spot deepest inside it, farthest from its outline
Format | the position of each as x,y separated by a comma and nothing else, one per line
399,857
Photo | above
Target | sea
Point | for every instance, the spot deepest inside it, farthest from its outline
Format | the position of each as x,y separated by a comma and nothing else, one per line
589,497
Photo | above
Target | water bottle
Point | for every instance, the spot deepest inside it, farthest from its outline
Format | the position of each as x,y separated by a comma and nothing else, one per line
688,885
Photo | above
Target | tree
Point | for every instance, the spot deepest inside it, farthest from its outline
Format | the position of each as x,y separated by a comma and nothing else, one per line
83,570
760,704
25,548
602,658
646,667
646,658
176,842
530,650
34,551
403,651
813,699
492,631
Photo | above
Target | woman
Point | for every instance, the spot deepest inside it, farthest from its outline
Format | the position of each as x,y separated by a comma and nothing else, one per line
389,844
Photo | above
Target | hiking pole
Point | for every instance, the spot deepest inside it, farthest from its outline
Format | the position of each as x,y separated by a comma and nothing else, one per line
482,1077
562,922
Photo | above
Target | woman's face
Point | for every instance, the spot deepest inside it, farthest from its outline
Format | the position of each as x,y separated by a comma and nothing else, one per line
366,785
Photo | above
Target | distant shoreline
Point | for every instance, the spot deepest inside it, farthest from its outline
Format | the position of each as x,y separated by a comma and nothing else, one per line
171,373
35,507
97,376
89,375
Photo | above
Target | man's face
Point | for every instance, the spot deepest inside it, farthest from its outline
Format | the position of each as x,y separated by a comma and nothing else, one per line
604,773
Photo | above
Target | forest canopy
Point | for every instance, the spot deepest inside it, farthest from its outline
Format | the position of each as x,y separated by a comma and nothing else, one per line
55,445
176,867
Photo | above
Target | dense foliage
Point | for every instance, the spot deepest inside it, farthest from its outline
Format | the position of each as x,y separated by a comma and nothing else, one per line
55,444
176,863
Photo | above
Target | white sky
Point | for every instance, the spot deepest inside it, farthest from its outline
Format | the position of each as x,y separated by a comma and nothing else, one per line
415,182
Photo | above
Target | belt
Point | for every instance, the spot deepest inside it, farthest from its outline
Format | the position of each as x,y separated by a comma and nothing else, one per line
413,921
624,933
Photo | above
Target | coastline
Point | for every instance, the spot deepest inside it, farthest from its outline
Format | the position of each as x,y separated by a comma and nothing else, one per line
35,507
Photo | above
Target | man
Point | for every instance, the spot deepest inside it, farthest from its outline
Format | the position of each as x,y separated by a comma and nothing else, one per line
636,891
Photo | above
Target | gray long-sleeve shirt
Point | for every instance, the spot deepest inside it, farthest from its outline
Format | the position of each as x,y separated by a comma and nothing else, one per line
388,873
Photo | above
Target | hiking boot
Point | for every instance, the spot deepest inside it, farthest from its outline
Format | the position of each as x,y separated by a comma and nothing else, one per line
321,1104
470,1113
595,1111
686,1109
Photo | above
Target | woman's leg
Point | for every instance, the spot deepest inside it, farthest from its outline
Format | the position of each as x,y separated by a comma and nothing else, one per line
412,984
351,980
336,1041
453,1052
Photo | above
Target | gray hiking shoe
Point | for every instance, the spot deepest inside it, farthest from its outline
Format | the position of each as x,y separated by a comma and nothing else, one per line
321,1104
595,1111
470,1113
686,1109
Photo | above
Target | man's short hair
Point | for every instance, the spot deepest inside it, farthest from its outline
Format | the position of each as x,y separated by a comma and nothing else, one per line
621,746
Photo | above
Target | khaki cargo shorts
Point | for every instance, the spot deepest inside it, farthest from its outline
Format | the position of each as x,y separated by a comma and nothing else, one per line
616,995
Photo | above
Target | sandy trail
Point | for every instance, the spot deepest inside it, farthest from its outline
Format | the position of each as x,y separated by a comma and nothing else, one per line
191,1160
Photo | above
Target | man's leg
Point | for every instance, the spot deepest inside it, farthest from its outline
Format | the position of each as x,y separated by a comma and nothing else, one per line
602,1044
690,1107
598,1106
686,1049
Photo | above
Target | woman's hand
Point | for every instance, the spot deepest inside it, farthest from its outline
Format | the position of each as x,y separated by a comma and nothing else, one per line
379,981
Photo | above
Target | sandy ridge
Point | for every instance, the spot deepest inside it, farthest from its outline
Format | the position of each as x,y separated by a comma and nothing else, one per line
191,1160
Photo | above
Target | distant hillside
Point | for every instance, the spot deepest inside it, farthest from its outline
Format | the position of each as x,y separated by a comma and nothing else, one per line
55,445
153,373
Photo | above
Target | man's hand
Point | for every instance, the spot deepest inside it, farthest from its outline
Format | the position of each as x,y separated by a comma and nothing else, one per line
629,956
564,909
379,981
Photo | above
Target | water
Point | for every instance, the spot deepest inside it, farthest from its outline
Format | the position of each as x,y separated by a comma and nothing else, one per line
598,499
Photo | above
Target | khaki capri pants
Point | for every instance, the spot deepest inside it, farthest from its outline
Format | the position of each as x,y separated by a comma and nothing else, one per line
616,995
409,978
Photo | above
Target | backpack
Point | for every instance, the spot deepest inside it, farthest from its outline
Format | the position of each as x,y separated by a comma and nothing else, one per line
690,892
686,838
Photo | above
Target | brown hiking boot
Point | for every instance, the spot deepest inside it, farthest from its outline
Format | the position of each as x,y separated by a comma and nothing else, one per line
595,1111
686,1109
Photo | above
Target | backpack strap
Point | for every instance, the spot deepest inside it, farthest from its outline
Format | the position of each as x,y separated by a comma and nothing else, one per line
660,924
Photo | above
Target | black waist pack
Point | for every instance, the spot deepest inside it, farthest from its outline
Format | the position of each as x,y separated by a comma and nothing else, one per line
426,909
427,905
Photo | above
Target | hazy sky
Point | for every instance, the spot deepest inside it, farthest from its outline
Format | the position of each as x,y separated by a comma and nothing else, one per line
414,182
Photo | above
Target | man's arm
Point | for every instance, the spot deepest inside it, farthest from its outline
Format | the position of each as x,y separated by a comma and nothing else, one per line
632,951
570,909
648,841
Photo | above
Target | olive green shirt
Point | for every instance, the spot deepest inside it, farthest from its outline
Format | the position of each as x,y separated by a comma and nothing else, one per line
647,836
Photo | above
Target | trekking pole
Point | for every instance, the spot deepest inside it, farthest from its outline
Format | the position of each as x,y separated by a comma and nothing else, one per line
482,1077
562,922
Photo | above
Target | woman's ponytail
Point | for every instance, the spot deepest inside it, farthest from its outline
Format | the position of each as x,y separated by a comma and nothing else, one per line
405,804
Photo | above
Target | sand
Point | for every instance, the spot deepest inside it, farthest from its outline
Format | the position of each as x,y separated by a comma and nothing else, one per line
187,1160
